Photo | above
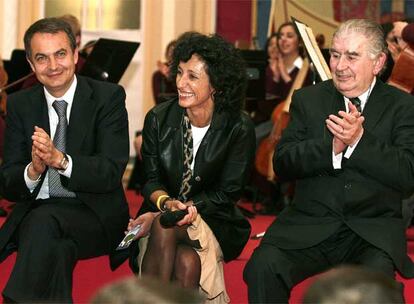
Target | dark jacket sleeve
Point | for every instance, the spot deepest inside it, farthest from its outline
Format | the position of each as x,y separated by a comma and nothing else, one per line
106,164
16,154
299,155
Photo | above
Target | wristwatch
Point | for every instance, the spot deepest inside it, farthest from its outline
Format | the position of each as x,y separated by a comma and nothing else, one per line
64,163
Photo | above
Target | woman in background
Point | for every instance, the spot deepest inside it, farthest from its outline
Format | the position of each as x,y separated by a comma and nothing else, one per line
163,87
284,63
197,152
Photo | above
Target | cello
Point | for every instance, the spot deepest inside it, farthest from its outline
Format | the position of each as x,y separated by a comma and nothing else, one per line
280,118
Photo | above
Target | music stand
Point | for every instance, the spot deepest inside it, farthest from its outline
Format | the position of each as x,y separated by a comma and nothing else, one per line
17,67
256,62
109,59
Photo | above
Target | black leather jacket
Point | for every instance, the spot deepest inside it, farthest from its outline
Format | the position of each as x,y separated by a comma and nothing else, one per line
221,169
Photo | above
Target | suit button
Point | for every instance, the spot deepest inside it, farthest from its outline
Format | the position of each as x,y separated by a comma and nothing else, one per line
348,186
198,178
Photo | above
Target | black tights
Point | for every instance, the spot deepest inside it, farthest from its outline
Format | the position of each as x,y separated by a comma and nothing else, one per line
170,256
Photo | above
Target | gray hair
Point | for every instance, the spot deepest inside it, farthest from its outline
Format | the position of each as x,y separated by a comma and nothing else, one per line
370,29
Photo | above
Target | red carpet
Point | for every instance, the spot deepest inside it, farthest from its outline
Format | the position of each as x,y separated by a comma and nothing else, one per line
90,275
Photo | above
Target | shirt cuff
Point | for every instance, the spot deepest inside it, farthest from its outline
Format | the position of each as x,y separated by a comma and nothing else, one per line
337,160
351,149
31,184
68,171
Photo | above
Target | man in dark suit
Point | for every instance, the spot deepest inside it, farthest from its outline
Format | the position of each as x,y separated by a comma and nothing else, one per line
353,161
64,170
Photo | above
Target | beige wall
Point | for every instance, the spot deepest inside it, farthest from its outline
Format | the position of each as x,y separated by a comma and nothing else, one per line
16,16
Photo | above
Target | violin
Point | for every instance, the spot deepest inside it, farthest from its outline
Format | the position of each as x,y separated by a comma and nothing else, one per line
280,118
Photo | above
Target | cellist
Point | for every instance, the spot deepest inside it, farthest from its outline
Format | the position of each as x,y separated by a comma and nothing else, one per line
285,61
284,64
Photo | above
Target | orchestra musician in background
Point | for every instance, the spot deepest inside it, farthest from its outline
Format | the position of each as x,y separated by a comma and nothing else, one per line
285,61
350,148
401,36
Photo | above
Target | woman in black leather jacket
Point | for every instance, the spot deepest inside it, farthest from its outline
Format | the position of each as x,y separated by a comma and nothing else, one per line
210,78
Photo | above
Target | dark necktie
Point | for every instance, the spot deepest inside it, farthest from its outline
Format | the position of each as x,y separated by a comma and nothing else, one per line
357,103
188,159
59,140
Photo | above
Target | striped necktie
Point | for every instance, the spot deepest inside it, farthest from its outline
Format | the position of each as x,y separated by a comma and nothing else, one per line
59,140
357,103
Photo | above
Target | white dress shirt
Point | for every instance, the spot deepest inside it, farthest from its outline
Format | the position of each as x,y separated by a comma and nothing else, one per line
198,135
337,159
53,121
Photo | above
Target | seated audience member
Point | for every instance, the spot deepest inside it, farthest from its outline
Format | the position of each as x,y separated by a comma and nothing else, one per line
67,149
146,291
353,285
350,148
197,151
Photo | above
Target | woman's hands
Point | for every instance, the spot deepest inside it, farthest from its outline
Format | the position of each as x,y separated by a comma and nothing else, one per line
174,205
145,220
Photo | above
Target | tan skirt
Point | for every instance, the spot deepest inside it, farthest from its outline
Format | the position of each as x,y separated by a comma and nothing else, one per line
212,274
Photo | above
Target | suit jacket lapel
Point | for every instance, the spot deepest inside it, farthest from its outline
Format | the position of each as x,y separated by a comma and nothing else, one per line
174,121
40,111
376,105
334,102
373,110
80,116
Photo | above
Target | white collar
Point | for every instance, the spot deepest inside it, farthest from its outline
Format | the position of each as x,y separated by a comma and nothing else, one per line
68,96
296,64
363,97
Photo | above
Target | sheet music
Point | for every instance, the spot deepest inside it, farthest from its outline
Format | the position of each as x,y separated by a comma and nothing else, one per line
313,50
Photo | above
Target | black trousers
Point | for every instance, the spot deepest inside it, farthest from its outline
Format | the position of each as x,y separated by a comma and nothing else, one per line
51,238
272,272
